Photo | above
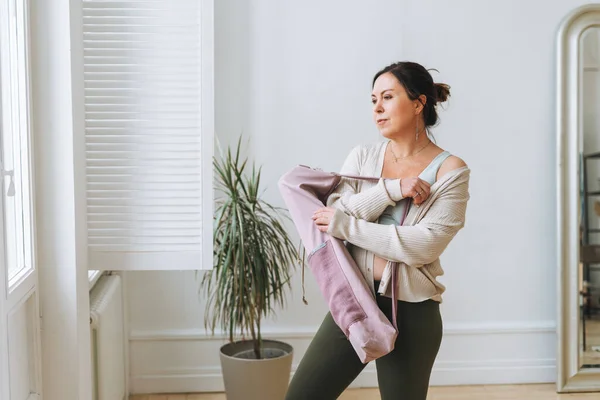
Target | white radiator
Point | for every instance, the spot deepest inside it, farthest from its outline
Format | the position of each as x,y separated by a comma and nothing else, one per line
107,339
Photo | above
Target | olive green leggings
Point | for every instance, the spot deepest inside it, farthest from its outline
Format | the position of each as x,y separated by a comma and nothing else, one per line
330,363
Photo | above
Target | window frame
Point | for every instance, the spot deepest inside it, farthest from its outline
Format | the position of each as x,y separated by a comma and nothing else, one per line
17,134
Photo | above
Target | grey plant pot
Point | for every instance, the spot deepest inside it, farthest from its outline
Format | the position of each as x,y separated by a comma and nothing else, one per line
246,378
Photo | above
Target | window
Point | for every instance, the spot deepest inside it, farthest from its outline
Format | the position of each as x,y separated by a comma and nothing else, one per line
148,134
20,358
15,147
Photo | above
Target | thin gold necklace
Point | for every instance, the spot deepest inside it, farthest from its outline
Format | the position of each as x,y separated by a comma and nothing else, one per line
410,155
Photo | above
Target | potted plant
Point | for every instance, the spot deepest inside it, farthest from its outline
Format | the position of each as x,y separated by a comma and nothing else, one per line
252,258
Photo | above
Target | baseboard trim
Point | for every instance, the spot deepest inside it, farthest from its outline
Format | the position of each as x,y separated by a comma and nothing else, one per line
497,370
444,373
492,328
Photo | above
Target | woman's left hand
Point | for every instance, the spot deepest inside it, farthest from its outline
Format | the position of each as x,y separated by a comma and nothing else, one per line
323,217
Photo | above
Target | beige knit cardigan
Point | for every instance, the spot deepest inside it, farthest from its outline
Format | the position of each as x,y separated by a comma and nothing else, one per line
418,244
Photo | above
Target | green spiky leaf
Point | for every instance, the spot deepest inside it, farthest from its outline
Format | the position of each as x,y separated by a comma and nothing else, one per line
253,254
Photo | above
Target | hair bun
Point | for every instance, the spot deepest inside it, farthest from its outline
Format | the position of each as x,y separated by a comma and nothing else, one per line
442,92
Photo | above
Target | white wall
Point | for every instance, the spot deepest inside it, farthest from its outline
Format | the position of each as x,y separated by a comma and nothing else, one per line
58,117
295,77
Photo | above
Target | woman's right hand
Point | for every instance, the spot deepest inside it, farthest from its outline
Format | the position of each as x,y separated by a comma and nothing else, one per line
416,188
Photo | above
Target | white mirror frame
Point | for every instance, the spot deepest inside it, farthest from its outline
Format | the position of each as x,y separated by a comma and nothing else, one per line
569,125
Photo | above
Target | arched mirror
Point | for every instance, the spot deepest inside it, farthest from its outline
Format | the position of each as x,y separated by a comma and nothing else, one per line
578,134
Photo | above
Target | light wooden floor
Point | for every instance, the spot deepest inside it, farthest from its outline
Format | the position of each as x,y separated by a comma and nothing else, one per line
485,392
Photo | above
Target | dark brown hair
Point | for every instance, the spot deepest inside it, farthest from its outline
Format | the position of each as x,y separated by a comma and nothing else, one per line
417,80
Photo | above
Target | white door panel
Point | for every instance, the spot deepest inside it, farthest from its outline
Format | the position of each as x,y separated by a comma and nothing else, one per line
22,349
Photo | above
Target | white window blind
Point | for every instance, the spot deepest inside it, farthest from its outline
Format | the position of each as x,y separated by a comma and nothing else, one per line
146,155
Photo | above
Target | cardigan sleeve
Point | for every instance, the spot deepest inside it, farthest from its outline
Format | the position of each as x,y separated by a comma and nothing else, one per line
368,204
416,245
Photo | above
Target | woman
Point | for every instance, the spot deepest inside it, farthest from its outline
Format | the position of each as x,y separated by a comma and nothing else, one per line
434,184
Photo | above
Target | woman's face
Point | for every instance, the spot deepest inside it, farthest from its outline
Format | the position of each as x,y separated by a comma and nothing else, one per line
393,111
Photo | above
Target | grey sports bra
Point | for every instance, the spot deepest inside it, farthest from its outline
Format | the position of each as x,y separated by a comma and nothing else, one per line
392,215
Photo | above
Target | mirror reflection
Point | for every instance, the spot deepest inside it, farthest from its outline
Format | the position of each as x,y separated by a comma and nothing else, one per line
589,267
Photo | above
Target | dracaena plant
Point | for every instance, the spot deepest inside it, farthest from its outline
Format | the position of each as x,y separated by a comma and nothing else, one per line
253,254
